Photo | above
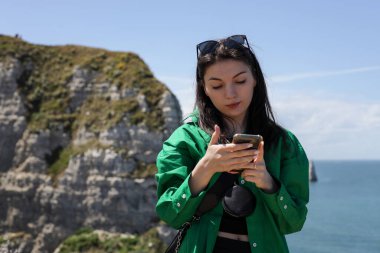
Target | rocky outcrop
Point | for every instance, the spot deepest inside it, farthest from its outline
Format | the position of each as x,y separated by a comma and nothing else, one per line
312,172
80,129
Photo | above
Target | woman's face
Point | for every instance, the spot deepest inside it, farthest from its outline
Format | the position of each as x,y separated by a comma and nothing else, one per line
230,85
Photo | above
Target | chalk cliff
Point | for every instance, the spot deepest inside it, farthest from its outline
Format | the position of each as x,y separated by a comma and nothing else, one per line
80,129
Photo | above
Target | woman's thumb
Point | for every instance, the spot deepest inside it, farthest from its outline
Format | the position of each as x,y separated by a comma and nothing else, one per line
215,135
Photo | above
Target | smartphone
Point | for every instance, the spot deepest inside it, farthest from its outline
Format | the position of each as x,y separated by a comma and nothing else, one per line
248,138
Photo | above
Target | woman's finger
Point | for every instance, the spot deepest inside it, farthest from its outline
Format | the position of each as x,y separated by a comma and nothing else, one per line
260,156
248,153
241,167
249,172
232,147
215,136
259,165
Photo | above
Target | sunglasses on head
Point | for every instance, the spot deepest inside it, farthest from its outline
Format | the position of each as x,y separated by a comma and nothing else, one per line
209,46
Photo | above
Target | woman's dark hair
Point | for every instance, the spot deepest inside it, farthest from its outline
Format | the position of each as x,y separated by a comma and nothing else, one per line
260,118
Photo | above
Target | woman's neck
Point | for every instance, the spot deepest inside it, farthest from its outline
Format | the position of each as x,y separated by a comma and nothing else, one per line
233,127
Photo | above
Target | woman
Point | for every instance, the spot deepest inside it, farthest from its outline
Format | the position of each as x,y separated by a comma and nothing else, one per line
231,97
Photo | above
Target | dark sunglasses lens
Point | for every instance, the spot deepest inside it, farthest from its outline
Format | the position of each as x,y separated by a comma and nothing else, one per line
232,44
238,38
207,47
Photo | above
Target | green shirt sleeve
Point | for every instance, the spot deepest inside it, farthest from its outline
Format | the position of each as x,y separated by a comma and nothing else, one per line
175,162
288,205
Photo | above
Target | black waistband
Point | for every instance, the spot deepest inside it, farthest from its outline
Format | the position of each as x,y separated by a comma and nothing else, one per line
225,245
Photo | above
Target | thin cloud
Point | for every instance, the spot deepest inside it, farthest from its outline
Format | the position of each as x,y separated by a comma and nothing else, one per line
331,128
292,77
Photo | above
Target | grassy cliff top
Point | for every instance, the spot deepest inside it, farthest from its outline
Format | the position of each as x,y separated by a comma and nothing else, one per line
48,69
88,241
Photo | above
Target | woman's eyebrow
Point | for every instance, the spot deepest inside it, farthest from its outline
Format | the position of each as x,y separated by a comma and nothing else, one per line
218,79
240,73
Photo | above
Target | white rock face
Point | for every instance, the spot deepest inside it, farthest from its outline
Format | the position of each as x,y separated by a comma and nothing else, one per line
171,114
12,112
96,189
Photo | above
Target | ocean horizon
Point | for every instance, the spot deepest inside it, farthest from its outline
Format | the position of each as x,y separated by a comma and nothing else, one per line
344,209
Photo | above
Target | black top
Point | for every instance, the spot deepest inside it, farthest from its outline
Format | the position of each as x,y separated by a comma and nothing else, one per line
233,225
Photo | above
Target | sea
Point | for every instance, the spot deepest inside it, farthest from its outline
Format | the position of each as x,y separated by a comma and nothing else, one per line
344,210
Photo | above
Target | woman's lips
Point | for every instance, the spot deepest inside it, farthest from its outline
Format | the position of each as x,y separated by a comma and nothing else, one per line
233,106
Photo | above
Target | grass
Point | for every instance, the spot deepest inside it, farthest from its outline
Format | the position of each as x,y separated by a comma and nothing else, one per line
87,241
47,70
99,113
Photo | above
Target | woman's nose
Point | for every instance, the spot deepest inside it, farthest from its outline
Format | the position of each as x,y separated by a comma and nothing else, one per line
230,91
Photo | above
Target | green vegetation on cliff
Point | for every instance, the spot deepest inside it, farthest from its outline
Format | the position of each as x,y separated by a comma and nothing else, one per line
48,69
88,241
62,160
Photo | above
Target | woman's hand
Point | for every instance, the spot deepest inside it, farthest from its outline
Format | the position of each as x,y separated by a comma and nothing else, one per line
220,158
227,157
259,173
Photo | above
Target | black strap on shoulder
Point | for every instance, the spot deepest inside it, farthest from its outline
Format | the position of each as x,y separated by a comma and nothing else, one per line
210,200
216,192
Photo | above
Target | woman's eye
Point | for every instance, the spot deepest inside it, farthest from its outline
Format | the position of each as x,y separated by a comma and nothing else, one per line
240,82
216,87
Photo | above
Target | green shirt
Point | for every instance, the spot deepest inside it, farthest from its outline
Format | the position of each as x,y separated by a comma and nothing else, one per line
275,215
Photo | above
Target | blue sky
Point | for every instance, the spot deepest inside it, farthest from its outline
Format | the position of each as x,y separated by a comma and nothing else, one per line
321,58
